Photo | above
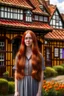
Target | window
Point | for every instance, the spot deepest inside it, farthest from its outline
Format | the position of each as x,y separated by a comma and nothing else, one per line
45,19
57,18
40,18
56,21
53,22
56,52
48,54
36,17
2,54
53,16
28,16
61,53
60,23
11,13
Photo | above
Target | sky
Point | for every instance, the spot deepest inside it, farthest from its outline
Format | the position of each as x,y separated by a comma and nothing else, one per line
59,3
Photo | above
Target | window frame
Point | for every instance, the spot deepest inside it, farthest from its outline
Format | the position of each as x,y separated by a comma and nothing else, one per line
56,55
2,52
28,16
9,13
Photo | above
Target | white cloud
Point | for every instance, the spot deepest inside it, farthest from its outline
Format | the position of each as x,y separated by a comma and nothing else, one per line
60,5
54,2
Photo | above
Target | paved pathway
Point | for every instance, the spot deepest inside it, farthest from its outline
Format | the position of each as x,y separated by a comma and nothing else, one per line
57,79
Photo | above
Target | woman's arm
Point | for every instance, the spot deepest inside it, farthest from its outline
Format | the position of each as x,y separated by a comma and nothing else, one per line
40,84
16,87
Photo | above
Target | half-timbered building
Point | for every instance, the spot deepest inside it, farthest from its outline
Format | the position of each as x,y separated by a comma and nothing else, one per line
17,16
44,19
54,41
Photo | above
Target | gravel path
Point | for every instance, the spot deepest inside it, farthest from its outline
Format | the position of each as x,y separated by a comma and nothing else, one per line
57,79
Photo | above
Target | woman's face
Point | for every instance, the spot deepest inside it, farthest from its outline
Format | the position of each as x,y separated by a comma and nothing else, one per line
28,40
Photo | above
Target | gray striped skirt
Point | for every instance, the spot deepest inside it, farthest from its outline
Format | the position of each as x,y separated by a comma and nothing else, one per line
27,86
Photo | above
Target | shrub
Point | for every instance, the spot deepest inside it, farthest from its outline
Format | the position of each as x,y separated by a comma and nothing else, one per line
6,74
49,72
11,87
3,86
62,65
59,69
52,92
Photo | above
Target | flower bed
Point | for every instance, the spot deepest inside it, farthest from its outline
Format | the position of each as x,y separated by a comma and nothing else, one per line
51,88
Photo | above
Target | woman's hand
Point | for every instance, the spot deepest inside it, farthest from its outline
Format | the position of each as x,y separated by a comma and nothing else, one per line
38,94
16,94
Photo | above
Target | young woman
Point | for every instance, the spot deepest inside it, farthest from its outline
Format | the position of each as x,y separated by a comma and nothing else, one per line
29,66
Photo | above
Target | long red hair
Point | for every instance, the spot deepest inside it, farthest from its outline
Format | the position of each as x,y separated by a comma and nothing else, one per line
36,58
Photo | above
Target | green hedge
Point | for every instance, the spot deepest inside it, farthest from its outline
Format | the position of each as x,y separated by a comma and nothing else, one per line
63,68
6,87
3,86
59,69
11,87
50,72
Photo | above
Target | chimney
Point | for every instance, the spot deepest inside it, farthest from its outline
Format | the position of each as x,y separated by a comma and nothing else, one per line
48,2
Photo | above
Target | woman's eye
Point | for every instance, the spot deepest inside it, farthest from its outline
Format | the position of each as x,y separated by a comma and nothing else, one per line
28,38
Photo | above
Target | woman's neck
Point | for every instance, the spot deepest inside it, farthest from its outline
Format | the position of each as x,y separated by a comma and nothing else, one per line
28,51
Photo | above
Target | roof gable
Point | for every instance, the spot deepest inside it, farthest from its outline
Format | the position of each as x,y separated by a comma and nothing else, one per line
37,8
44,4
53,9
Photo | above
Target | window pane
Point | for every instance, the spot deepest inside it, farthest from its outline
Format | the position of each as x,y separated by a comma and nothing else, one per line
63,53
15,16
29,19
5,14
45,19
53,22
60,23
2,48
56,52
21,16
1,59
9,15
53,16
36,17
60,50
40,18
1,45
2,14
60,56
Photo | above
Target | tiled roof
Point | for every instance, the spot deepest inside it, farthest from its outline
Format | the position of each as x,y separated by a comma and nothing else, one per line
44,3
37,9
19,3
52,9
20,24
56,34
27,4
